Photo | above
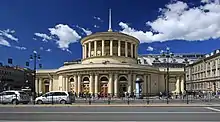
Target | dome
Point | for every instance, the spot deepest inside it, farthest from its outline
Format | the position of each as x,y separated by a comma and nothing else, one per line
113,47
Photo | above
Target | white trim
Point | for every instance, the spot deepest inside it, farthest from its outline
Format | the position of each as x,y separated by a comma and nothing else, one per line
213,109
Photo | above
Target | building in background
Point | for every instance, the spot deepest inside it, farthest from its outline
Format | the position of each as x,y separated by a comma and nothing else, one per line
15,78
176,65
204,75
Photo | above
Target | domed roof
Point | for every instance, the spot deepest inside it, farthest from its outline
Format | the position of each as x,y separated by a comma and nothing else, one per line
108,34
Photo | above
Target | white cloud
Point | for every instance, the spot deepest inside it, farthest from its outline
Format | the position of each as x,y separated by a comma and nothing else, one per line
86,31
98,18
41,48
149,48
178,21
44,36
4,42
65,35
20,48
8,34
48,50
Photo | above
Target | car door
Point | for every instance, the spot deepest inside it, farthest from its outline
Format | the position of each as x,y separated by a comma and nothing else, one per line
9,96
1,97
46,98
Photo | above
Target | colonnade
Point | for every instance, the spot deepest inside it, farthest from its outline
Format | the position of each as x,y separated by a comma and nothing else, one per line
94,83
130,49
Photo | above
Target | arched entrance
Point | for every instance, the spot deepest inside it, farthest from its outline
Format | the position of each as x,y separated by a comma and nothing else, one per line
46,86
103,86
85,85
72,87
123,86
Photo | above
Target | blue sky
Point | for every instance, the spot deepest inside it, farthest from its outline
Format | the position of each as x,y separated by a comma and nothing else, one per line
54,27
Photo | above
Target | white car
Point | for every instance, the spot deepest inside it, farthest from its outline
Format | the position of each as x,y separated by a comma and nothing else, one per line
61,97
14,97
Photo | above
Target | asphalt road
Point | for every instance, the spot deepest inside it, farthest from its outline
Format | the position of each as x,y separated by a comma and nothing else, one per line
74,113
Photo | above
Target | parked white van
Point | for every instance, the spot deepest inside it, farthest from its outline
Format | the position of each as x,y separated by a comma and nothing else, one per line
56,97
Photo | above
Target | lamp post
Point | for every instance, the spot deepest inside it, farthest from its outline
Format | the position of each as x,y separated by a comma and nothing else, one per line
185,62
167,54
34,57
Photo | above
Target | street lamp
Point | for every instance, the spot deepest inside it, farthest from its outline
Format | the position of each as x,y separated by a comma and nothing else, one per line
167,54
34,57
185,62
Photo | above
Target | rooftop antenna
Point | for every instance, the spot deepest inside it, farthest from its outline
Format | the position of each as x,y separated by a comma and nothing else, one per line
110,21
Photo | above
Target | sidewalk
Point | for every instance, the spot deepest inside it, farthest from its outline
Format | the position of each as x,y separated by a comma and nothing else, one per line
116,105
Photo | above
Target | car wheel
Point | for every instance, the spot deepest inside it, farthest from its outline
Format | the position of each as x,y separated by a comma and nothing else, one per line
39,102
14,102
63,102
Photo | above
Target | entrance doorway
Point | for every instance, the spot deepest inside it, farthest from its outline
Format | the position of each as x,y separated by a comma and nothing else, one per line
123,86
104,86
104,90
85,85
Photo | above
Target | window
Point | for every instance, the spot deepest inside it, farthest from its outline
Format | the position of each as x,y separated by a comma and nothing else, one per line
9,93
59,94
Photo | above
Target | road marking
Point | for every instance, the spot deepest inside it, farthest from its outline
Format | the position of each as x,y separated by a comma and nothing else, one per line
107,112
213,109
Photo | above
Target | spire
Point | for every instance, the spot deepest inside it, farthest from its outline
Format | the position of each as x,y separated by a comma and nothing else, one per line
110,21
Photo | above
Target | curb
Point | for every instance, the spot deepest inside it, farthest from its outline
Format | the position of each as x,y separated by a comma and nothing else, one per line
93,105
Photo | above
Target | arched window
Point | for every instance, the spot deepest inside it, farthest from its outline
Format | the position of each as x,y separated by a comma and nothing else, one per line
104,79
122,79
85,79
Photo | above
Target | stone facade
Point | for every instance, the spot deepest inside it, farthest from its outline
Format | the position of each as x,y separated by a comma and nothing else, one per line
204,75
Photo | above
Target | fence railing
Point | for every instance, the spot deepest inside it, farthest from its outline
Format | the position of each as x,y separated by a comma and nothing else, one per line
111,99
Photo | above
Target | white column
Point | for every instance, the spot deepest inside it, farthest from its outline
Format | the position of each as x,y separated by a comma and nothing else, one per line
85,51
177,85
67,84
51,85
134,84
119,48
216,67
110,88
116,85
135,52
126,49
64,83
75,84
182,85
129,83
89,52
111,47
36,85
96,84
103,47
145,88
91,83
40,85
95,48
132,54
79,83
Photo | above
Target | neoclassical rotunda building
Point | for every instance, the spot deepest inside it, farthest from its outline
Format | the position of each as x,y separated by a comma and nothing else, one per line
109,65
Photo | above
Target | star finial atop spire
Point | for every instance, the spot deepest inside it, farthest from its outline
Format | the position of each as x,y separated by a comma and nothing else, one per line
110,21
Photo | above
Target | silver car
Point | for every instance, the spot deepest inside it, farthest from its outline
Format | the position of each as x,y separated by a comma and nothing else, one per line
60,97
14,97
